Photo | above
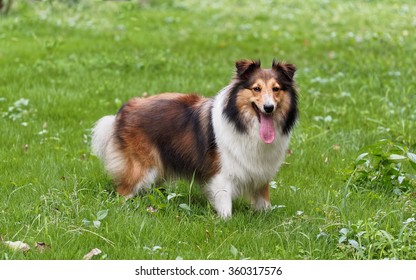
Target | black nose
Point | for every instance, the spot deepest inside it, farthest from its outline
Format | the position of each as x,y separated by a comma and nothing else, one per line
268,108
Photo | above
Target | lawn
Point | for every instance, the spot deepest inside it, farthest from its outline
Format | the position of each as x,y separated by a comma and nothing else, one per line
346,190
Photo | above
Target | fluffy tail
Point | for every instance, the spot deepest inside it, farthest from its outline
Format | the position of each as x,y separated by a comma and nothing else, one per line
101,136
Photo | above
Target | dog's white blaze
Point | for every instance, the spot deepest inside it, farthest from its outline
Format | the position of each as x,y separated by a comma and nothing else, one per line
247,163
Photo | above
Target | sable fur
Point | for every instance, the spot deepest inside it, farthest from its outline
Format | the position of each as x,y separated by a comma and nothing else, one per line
214,139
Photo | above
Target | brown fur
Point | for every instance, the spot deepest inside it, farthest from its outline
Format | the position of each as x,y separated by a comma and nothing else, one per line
265,192
173,124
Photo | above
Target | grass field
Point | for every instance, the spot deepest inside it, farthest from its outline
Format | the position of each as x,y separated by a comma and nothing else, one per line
65,64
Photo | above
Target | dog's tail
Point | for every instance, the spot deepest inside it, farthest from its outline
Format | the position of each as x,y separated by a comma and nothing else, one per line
102,133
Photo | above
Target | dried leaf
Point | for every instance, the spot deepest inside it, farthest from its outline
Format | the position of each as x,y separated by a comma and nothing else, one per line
92,253
17,245
151,209
42,246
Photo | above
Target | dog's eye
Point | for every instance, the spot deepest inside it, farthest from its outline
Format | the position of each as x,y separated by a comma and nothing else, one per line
257,89
275,89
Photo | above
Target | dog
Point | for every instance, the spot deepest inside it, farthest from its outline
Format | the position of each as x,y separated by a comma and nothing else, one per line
233,143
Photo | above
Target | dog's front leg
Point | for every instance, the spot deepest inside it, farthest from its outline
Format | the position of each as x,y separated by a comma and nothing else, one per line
220,194
260,198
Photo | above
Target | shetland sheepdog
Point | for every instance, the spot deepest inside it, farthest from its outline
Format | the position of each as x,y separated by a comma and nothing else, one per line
233,143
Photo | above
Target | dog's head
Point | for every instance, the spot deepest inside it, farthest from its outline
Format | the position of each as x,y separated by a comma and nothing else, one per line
266,94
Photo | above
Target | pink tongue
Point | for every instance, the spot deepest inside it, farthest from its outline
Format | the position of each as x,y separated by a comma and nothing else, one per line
266,128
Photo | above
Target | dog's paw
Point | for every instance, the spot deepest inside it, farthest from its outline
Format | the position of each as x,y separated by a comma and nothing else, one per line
261,204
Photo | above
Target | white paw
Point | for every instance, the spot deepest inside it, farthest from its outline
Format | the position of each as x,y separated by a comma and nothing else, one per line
224,213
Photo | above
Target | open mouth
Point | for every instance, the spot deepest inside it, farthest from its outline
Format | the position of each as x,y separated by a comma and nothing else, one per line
267,132
258,112
256,109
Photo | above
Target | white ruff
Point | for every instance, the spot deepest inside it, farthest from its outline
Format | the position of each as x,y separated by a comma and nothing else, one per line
247,163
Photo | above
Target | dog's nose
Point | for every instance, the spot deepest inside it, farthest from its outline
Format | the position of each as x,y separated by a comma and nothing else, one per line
268,108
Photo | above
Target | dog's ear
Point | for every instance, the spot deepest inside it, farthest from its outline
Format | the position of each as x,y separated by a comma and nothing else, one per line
286,69
244,68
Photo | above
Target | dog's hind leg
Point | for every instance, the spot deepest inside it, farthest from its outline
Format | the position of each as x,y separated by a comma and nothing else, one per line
129,191
135,179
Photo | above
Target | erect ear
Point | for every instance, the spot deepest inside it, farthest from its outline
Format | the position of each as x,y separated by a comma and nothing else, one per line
286,68
245,68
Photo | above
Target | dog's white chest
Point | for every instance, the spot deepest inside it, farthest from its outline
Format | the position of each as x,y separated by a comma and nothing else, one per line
245,159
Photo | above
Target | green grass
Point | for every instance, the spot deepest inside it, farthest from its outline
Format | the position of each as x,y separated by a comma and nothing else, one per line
71,64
